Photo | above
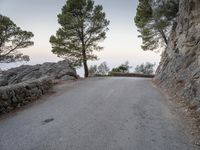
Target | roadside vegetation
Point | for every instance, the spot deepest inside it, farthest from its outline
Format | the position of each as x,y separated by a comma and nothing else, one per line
147,68
123,69
101,70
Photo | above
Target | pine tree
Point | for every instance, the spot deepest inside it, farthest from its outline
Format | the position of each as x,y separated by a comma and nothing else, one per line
13,38
155,19
83,26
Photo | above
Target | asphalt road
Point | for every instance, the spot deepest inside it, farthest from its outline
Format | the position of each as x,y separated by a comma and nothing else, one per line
97,114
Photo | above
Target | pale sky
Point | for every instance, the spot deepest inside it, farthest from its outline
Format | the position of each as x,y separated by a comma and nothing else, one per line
40,17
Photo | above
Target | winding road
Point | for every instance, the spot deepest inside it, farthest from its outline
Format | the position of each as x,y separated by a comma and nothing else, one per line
96,114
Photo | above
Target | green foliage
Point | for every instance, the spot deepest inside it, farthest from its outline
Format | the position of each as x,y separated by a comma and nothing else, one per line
101,70
147,69
154,20
83,26
13,38
92,70
123,68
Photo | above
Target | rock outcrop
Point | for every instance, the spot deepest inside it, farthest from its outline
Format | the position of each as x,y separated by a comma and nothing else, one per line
21,85
179,70
60,70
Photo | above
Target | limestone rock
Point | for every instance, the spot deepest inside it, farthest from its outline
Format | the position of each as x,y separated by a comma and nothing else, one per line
179,69
26,72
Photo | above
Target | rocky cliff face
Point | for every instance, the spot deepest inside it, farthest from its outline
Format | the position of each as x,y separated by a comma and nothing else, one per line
179,70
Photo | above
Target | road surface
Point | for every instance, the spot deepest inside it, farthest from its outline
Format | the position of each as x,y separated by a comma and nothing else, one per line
97,114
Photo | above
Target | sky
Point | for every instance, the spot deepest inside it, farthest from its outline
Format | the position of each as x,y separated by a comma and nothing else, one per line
40,17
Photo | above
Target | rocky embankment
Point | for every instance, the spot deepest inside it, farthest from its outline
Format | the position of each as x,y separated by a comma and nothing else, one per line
179,70
21,85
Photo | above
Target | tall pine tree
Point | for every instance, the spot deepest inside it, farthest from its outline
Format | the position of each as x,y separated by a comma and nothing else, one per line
83,26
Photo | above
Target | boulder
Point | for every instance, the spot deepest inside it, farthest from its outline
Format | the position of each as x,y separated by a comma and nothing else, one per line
59,70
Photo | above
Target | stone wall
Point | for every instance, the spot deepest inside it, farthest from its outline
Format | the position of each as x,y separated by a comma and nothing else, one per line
13,96
179,69
131,75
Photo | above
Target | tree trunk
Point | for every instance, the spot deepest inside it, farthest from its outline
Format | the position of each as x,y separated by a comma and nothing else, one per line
160,30
164,36
85,68
84,53
85,64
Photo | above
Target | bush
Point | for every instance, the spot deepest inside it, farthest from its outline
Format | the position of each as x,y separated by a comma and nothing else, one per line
147,69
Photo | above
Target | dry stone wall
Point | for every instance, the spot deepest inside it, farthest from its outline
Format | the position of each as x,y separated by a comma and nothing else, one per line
13,96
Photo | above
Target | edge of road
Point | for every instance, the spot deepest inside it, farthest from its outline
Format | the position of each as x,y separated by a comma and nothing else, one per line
187,115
